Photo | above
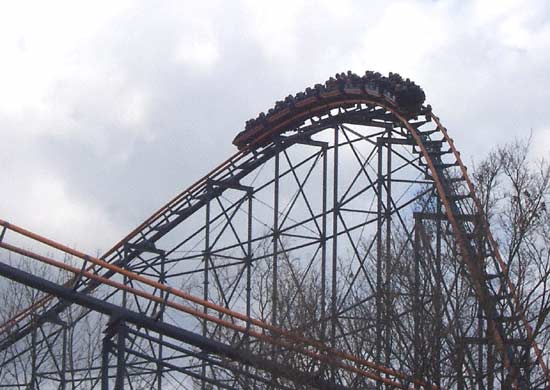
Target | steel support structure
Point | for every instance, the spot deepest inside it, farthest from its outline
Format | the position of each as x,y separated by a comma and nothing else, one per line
349,251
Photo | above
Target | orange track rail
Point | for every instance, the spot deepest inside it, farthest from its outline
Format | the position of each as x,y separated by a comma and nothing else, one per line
319,108
498,256
328,355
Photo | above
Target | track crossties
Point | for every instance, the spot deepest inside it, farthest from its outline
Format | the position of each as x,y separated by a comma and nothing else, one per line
401,94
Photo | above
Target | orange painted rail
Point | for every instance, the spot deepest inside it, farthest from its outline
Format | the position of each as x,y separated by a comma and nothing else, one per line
328,355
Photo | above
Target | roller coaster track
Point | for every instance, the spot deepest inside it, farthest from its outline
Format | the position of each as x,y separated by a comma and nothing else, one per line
314,121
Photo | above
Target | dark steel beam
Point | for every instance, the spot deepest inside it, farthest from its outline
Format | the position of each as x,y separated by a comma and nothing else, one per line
180,334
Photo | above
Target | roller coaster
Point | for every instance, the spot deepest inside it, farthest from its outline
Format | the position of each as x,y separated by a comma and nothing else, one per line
342,247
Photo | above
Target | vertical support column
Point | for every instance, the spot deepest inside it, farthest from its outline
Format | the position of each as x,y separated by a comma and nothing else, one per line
63,379
490,362
387,258
335,214
379,254
460,383
33,355
324,245
480,317
121,356
525,379
106,345
416,300
479,335
275,264
249,260
162,279
124,277
206,260
119,380
249,255
438,305
275,270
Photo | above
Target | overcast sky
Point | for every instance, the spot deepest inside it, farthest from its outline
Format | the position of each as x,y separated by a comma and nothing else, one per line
108,109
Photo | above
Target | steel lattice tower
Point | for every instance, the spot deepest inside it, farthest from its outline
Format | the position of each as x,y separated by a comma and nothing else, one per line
341,247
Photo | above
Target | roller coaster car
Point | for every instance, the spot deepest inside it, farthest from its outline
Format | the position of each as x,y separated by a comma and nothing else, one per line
390,98
332,89
306,101
402,95
353,88
372,89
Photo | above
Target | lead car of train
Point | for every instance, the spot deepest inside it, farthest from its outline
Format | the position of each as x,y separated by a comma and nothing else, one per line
392,90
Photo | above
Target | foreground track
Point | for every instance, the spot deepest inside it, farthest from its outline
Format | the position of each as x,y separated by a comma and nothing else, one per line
346,226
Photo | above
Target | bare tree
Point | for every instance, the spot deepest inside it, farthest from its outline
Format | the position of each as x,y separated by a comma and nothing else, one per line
515,190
